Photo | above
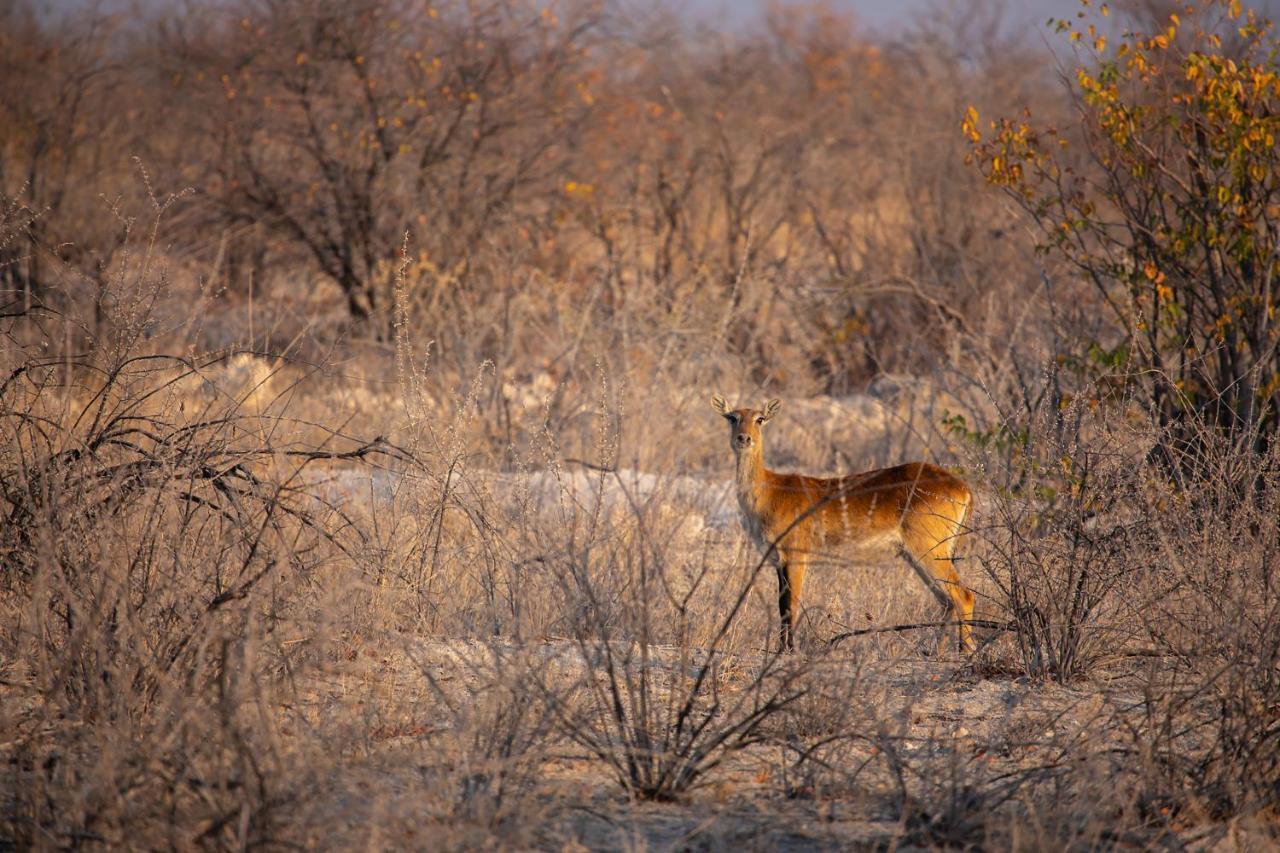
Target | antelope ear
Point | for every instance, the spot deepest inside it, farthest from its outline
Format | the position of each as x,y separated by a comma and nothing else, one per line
772,408
719,404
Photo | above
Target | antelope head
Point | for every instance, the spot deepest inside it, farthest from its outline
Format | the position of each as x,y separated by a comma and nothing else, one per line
745,424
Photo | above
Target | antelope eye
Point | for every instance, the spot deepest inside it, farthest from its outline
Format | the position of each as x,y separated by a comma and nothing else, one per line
760,421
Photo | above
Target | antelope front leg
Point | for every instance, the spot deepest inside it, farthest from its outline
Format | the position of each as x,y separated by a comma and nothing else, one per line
790,582
785,638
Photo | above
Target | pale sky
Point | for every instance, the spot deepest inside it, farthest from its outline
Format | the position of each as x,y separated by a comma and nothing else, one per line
885,17
887,14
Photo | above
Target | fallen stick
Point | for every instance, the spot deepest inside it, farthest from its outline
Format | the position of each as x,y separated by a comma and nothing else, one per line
978,623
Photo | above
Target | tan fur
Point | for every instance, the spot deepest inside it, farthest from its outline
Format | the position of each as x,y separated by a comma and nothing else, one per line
915,511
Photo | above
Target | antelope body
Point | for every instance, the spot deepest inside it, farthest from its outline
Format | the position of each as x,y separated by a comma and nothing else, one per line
914,511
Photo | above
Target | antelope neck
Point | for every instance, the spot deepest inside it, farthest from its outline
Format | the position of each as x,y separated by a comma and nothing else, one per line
751,472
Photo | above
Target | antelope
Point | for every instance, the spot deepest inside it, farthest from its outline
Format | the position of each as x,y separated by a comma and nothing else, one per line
915,511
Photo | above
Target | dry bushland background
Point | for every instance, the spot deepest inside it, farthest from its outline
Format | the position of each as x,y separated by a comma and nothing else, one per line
358,480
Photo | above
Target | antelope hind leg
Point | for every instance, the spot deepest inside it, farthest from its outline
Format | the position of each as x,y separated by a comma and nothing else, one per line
941,587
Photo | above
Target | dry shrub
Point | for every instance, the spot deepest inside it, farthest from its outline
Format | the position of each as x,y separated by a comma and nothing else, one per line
1062,532
1208,737
1107,562
155,559
179,578
151,568
669,691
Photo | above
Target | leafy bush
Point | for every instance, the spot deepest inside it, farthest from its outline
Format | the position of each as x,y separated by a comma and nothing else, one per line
1165,198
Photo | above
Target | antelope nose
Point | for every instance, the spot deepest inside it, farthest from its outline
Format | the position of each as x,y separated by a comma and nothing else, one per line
743,439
